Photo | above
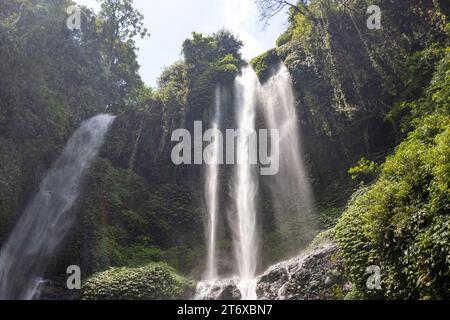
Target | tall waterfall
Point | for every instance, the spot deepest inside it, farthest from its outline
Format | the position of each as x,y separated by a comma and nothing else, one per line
291,191
245,185
48,217
212,189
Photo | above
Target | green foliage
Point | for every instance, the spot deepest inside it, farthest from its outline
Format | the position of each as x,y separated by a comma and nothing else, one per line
119,23
140,255
365,170
126,223
284,38
348,75
263,64
150,282
322,238
52,78
328,216
358,90
200,51
401,223
421,67
210,60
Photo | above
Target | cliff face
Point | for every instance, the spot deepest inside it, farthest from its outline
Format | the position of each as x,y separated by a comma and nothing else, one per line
351,82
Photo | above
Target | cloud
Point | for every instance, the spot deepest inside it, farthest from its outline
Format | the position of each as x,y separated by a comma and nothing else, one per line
241,17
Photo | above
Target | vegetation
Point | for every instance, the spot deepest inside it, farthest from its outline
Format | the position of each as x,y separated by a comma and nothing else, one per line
354,83
52,79
150,282
374,108
401,222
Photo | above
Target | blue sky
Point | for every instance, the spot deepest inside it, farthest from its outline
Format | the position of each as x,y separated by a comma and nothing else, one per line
170,22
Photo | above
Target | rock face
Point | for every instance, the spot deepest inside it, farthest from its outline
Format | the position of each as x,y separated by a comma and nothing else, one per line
317,275
52,290
218,290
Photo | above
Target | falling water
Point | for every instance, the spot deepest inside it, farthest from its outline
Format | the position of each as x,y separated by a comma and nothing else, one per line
244,223
48,217
291,190
212,189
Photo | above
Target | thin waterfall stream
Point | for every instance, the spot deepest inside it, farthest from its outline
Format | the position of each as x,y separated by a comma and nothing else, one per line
49,216
245,186
212,190
290,188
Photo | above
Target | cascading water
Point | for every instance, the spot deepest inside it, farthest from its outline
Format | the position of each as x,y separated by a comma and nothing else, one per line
212,189
244,223
213,161
48,217
291,192
290,188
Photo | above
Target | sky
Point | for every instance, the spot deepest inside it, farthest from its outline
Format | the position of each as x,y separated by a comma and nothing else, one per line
170,22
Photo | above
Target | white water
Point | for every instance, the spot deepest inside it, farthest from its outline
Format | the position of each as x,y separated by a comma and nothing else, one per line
48,216
291,192
291,189
211,192
245,186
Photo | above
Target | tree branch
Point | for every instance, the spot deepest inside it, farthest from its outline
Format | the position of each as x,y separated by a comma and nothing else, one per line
270,8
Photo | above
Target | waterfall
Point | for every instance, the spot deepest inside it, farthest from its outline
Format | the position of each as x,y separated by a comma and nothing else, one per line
290,188
212,189
245,185
48,216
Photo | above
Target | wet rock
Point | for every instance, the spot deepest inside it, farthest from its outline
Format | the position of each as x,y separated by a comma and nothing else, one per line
52,290
218,290
316,275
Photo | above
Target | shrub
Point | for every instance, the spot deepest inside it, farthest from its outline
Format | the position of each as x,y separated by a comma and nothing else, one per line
264,63
153,281
402,222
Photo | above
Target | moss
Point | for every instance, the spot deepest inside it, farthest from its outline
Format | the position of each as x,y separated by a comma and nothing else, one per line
263,64
337,292
284,38
150,282
140,255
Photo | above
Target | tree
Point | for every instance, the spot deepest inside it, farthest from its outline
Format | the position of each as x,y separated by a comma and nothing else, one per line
270,8
201,51
228,43
120,23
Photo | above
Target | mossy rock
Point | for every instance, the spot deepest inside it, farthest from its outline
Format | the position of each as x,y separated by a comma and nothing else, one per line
264,63
151,282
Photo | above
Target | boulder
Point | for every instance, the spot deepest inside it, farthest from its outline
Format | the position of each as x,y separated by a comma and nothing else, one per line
218,290
315,275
